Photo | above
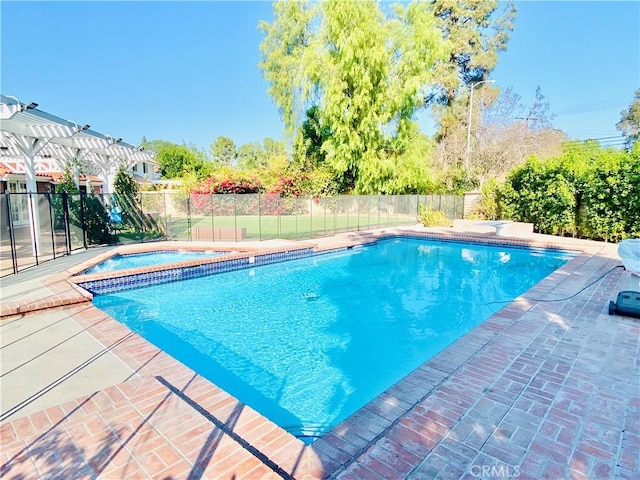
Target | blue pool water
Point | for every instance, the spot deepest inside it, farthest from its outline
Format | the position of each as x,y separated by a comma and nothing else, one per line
136,260
308,342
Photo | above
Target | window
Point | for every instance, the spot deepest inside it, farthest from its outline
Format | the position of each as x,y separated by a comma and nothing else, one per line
18,191
144,167
135,167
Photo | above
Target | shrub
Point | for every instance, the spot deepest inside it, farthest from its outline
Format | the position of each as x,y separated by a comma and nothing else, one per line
488,208
96,220
611,199
590,192
86,211
211,196
228,185
543,194
127,197
433,218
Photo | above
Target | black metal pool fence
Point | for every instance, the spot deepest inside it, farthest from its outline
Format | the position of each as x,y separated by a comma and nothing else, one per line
37,227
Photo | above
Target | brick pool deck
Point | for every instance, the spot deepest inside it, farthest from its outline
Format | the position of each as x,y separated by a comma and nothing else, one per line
538,390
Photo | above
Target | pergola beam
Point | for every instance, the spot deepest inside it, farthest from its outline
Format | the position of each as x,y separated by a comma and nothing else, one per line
29,132
26,132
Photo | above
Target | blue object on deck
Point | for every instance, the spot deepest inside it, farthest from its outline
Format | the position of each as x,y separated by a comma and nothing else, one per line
115,214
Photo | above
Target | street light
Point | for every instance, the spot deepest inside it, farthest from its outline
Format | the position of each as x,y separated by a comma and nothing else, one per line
473,85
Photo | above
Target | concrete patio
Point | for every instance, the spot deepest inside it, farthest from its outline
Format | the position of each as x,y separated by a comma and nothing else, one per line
538,390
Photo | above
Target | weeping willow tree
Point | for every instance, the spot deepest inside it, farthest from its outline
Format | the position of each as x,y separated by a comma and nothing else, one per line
363,73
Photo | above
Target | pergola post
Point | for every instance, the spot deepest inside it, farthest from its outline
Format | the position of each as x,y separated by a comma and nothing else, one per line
30,147
106,164
29,135
32,203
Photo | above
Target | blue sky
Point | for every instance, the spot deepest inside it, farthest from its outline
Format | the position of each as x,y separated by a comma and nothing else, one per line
188,71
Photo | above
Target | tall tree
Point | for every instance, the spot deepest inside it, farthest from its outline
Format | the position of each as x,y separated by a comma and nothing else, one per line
251,155
507,133
310,140
476,36
125,185
224,151
176,161
273,148
365,72
508,109
629,123
127,199
286,59
538,117
256,155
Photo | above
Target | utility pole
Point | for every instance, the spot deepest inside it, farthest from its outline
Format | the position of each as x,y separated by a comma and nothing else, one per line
468,156
526,124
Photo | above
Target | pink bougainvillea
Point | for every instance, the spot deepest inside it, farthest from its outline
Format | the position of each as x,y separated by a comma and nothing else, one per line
211,197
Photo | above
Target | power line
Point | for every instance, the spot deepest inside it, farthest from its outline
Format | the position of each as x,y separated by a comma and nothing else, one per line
592,133
617,137
585,144
587,147
609,104
602,142
526,123
588,111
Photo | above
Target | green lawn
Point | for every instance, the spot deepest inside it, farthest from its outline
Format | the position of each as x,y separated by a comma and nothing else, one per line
287,226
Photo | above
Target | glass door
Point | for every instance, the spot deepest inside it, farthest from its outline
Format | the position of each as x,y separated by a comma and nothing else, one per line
19,212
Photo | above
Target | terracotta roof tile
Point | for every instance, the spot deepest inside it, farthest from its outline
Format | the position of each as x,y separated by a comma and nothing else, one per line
92,178
54,176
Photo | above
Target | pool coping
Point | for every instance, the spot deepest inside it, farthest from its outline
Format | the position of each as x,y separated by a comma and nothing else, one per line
107,282
66,289
335,451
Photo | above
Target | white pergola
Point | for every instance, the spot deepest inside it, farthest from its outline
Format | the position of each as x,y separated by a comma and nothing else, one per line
29,135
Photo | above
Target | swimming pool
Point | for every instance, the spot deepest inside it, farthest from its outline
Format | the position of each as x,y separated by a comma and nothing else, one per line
308,342
147,259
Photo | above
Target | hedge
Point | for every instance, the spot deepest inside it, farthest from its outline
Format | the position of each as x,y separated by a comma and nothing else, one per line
589,193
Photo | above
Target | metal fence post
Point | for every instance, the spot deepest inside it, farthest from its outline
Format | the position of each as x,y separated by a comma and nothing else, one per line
34,228
67,221
348,230
259,219
189,217
164,207
51,223
324,224
82,221
213,222
310,217
235,217
279,216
